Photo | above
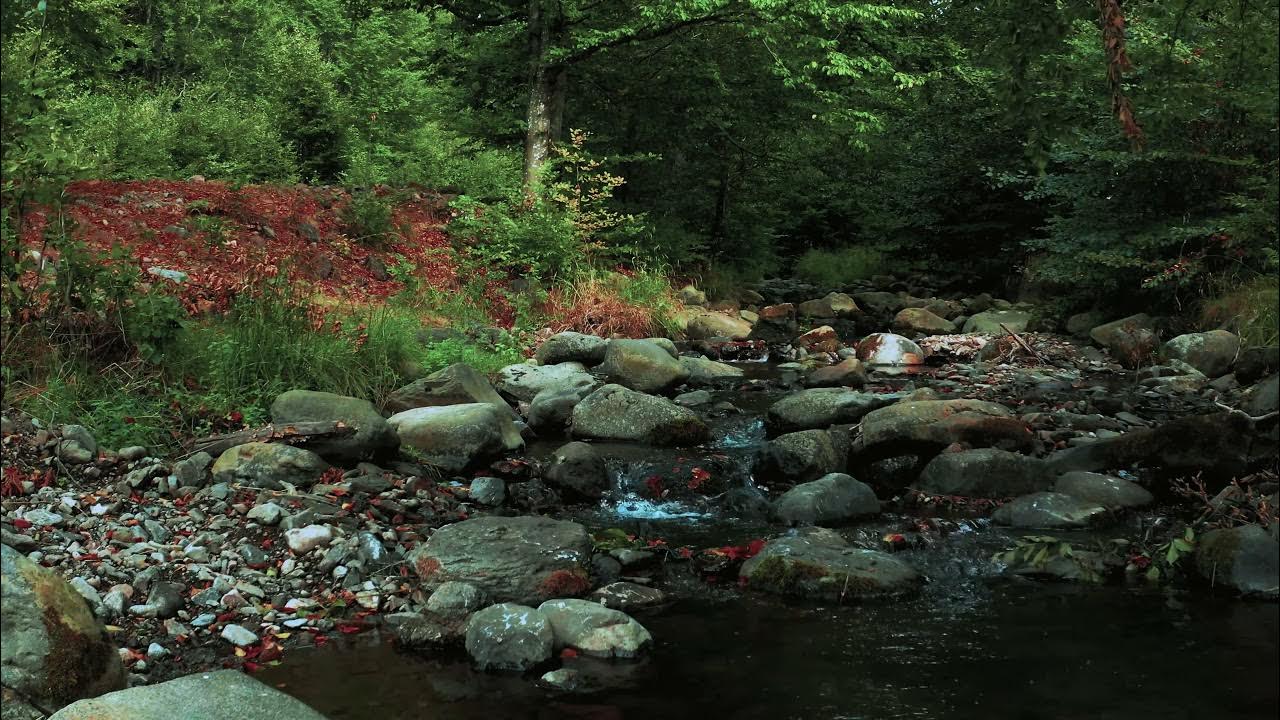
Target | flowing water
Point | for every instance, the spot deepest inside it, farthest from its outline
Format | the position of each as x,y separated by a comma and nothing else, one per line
973,645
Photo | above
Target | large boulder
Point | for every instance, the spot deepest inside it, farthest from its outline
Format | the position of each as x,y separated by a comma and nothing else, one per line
817,408
1131,340
919,321
512,559
822,566
1262,398
717,325
775,324
595,630
571,347
1048,511
884,304
373,435
1212,353
887,349
508,636
454,437
523,382
1110,492
803,456
988,323
642,365
1245,559
457,384
849,372
214,695
985,473
834,305
822,339
703,371
269,465
578,469
1255,363
616,413
52,650
1219,445
924,427
829,500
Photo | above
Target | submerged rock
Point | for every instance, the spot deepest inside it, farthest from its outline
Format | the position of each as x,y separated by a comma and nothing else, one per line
821,566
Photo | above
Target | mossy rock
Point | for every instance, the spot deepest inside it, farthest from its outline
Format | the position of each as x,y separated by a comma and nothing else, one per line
821,567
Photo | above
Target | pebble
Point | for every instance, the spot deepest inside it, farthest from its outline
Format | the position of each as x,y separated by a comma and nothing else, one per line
40,517
156,650
267,514
304,540
204,620
237,635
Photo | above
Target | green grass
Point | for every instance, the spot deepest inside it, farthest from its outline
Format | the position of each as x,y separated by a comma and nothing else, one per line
837,268
1252,310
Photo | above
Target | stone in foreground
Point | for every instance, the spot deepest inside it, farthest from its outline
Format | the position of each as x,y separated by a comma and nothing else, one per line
986,473
268,465
829,500
454,437
220,695
594,629
508,636
821,566
516,559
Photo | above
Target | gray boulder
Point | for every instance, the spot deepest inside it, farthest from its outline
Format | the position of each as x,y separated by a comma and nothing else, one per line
456,597
457,384
1131,340
268,465
849,372
708,372
594,629
52,649
1212,353
628,596
373,435
717,325
454,437
571,347
1262,398
509,637
552,409
887,349
1049,511
642,365
616,413
985,473
822,566
77,445
920,321
834,305
215,695
1245,559
803,456
1110,492
820,408
489,491
925,427
523,382
829,500
579,470
884,304
515,559
988,323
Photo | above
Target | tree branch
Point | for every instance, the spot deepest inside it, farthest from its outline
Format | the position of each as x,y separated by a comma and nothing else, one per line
645,34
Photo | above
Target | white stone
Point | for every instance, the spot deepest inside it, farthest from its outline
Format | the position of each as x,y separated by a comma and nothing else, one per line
306,539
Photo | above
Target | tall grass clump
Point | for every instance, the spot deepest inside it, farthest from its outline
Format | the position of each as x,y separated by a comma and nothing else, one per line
1251,310
837,268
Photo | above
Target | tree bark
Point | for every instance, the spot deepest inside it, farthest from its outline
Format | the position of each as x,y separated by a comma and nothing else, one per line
547,83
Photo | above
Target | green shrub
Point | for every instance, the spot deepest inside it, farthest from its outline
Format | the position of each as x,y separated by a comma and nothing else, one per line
485,359
837,268
369,219
1252,310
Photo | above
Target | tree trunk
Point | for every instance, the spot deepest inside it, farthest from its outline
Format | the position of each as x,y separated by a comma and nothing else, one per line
547,89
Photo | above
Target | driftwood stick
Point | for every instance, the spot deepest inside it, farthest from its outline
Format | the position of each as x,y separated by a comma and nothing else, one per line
1247,416
298,433
1018,339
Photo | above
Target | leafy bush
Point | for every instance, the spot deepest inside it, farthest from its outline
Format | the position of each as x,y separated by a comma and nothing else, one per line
838,268
486,359
368,218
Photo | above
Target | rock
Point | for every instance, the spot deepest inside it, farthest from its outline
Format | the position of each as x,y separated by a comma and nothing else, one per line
819,340
77,446
615,413
572,347
1262,398
131,453
1245,559
846,373
1220,445
269,465
834,305
696,398
821,566
776,324
749,316
489,491
216,695
39,517
1212,353
924,427
702,371
52,650
455,437
1130,340
238,635
595,630
690,295
628,596
642,365
1256,363
524,382
457,384
887,349
193,471
579,470
665,343
552,409
563,679
985,473
166,598
516,559
883,304
1049,511
455,597
820,408
415,630
829,500
372,437
988,323
1112,493
305,539
717,325
509,637
921,322
1080,324
268,514
803,456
